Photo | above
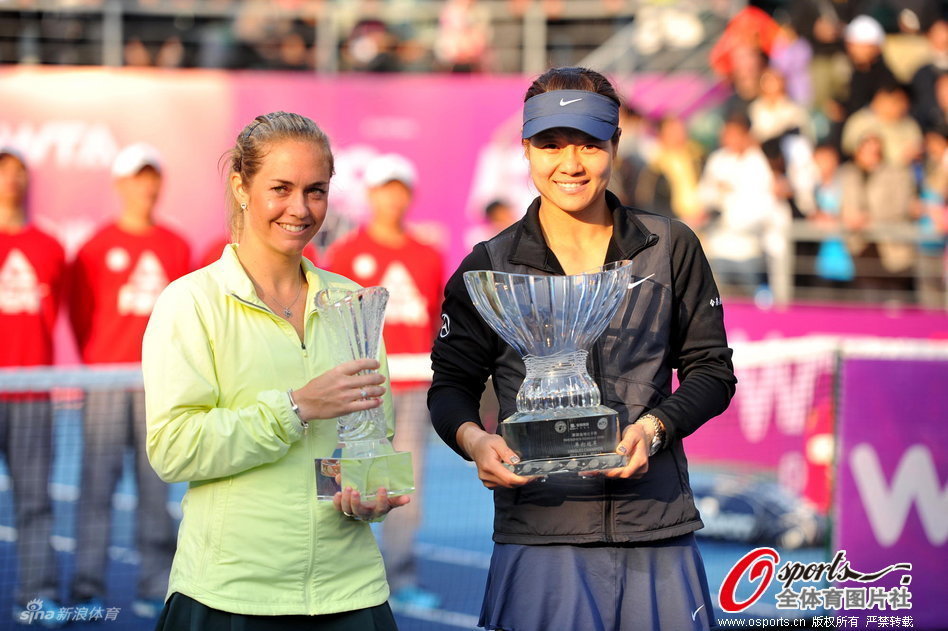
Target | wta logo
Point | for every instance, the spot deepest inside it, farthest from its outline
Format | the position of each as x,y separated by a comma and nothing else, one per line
760,566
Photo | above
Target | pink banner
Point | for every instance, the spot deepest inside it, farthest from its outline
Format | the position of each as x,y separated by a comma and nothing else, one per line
780,422
745,321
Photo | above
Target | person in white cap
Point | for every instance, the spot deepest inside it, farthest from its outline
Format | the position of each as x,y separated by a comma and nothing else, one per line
864,38
32,264
383,252
113,285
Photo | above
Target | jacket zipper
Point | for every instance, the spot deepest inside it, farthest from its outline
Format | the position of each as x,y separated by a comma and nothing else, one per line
311,484
278,318
307,597
609,510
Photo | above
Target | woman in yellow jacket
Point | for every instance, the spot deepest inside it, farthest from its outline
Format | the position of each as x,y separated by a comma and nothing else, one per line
241,396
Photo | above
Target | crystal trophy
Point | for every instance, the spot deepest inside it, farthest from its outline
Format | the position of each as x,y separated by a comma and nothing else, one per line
364,458
560,424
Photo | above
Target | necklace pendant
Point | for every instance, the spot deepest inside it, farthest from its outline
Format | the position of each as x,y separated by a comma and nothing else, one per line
287,313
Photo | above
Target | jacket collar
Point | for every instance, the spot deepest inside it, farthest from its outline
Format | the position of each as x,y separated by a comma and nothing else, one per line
530,248
237,283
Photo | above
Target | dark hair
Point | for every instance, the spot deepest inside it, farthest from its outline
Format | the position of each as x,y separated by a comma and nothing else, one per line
573,78
492,207
253,144
632,112
738,117
940,128
890,86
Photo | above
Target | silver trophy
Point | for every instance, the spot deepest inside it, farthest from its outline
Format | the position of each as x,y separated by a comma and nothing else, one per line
364,458
560,424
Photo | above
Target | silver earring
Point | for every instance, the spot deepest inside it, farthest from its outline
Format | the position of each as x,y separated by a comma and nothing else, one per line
243,206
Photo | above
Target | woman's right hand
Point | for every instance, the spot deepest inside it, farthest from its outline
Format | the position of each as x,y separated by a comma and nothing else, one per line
341,390
489,452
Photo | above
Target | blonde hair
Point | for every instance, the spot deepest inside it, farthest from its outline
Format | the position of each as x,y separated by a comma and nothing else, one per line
253,144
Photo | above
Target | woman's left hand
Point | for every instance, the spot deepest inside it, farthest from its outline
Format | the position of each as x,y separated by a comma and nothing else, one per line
349,502
635,443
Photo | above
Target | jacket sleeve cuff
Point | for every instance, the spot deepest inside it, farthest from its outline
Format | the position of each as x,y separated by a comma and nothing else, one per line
449,409
289,428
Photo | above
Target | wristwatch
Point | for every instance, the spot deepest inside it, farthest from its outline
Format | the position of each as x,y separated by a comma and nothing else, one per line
658,439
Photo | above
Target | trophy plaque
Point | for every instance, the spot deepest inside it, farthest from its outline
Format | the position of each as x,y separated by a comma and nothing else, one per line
364,458
560,424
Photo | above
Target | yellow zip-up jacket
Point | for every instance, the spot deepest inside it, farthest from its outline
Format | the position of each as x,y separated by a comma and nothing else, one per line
254,540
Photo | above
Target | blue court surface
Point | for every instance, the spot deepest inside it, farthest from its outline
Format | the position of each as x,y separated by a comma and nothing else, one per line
453,545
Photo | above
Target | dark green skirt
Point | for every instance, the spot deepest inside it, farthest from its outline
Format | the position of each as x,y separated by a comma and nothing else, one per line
183,613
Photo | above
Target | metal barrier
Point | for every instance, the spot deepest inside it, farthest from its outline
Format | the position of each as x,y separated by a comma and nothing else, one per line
794,276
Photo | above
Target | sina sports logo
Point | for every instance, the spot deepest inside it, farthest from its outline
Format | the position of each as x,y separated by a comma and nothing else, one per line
445,325
34,611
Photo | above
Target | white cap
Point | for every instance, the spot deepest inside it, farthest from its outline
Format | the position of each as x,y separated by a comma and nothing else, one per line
134,158
7,150
865,30
389,167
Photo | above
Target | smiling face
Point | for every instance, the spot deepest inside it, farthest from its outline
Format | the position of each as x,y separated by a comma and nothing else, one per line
570,168
286,199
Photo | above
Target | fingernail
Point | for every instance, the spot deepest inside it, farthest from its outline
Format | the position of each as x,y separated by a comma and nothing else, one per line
514,459
622,449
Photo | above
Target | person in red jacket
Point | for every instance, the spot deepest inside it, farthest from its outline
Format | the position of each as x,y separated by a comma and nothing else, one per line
32,264
384,253
113,284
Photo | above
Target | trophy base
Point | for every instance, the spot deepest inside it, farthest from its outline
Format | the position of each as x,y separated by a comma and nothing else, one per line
564,433
366,474
575,464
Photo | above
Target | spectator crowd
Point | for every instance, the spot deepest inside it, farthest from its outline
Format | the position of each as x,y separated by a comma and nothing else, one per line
825,168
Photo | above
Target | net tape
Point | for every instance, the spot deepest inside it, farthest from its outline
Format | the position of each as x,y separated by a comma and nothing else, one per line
746,355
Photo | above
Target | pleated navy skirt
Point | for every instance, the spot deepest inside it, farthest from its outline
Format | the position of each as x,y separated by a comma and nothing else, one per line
654,586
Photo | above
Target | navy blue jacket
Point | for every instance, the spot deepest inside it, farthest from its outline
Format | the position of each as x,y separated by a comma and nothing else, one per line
672,320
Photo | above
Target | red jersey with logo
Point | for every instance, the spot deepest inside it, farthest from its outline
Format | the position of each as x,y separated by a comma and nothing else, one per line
413,276
214,252
113,285
32,265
